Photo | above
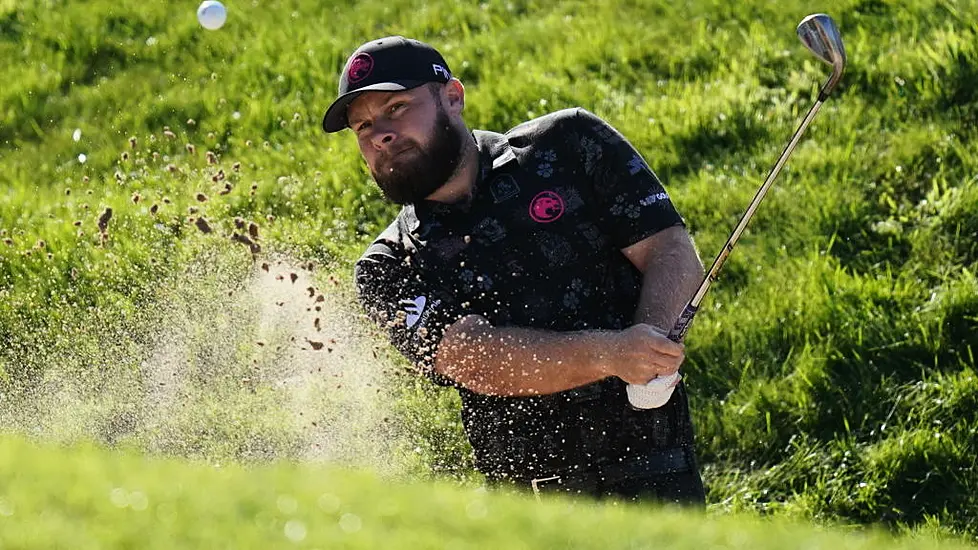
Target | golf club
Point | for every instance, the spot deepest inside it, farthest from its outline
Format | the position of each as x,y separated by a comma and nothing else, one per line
820,35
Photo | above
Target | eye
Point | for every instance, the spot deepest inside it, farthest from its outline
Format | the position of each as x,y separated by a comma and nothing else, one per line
395,108
361,126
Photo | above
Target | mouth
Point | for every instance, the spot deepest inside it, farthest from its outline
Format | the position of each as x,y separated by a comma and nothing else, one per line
389,159
400,152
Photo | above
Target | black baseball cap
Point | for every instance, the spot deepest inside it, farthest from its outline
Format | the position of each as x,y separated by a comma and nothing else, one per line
389,64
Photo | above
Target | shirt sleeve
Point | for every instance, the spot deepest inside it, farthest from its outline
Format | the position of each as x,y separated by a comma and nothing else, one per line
412,314
632,203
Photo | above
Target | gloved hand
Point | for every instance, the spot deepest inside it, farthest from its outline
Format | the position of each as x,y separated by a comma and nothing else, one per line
654,394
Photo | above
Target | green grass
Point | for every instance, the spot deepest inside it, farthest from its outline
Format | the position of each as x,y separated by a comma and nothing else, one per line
831,371
121,500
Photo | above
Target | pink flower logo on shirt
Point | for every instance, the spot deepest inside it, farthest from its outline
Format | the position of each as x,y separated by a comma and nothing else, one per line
546,207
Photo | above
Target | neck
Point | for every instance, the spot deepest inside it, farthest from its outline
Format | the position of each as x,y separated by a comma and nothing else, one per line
459,187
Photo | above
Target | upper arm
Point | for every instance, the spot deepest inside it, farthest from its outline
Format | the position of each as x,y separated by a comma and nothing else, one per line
412,313
630,202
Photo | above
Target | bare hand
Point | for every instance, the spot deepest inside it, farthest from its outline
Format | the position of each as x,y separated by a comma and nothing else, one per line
642,352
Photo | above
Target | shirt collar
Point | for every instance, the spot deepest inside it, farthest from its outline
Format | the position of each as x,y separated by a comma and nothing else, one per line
494,149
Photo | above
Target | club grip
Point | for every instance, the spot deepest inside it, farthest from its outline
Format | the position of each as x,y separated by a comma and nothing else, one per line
679,330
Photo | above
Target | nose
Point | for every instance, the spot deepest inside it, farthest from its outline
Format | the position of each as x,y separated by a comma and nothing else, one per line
383,137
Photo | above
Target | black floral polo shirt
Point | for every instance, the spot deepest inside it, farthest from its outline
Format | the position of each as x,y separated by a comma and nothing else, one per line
538,246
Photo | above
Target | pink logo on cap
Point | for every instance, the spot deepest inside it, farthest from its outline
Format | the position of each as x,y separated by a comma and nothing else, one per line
546,207
360,68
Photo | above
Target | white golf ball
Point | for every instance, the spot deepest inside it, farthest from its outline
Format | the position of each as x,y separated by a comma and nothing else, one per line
211,14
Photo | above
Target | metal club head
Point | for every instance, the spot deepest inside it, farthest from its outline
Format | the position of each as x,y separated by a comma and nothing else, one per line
820,35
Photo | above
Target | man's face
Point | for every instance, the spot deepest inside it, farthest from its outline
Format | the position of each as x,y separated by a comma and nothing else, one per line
407,140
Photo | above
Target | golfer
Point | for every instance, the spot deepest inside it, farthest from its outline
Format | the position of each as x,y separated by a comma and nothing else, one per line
534,271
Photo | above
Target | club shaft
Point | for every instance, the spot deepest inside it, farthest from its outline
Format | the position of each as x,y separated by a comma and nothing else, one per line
686,318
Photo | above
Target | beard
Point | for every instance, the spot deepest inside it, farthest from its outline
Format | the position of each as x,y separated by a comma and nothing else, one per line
415,172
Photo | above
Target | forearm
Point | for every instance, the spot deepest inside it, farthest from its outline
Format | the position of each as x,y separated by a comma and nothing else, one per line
514,361
671,276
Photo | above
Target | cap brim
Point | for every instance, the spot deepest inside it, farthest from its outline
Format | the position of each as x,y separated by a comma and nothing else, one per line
335,118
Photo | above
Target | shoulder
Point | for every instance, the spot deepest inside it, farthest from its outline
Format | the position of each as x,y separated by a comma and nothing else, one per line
382,265
391,245
552,122
566,125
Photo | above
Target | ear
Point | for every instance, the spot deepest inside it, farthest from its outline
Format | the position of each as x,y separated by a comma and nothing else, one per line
453,96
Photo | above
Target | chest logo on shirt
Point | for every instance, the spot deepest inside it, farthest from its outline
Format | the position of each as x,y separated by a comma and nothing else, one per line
546,207
503,188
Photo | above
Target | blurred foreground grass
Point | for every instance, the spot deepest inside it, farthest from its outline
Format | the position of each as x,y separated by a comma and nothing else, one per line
85,497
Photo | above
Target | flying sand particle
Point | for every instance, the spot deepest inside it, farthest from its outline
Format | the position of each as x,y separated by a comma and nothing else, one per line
243,239
103,220
202,224
315,345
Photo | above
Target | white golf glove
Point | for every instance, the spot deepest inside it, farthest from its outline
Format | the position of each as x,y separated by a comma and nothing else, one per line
654,394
